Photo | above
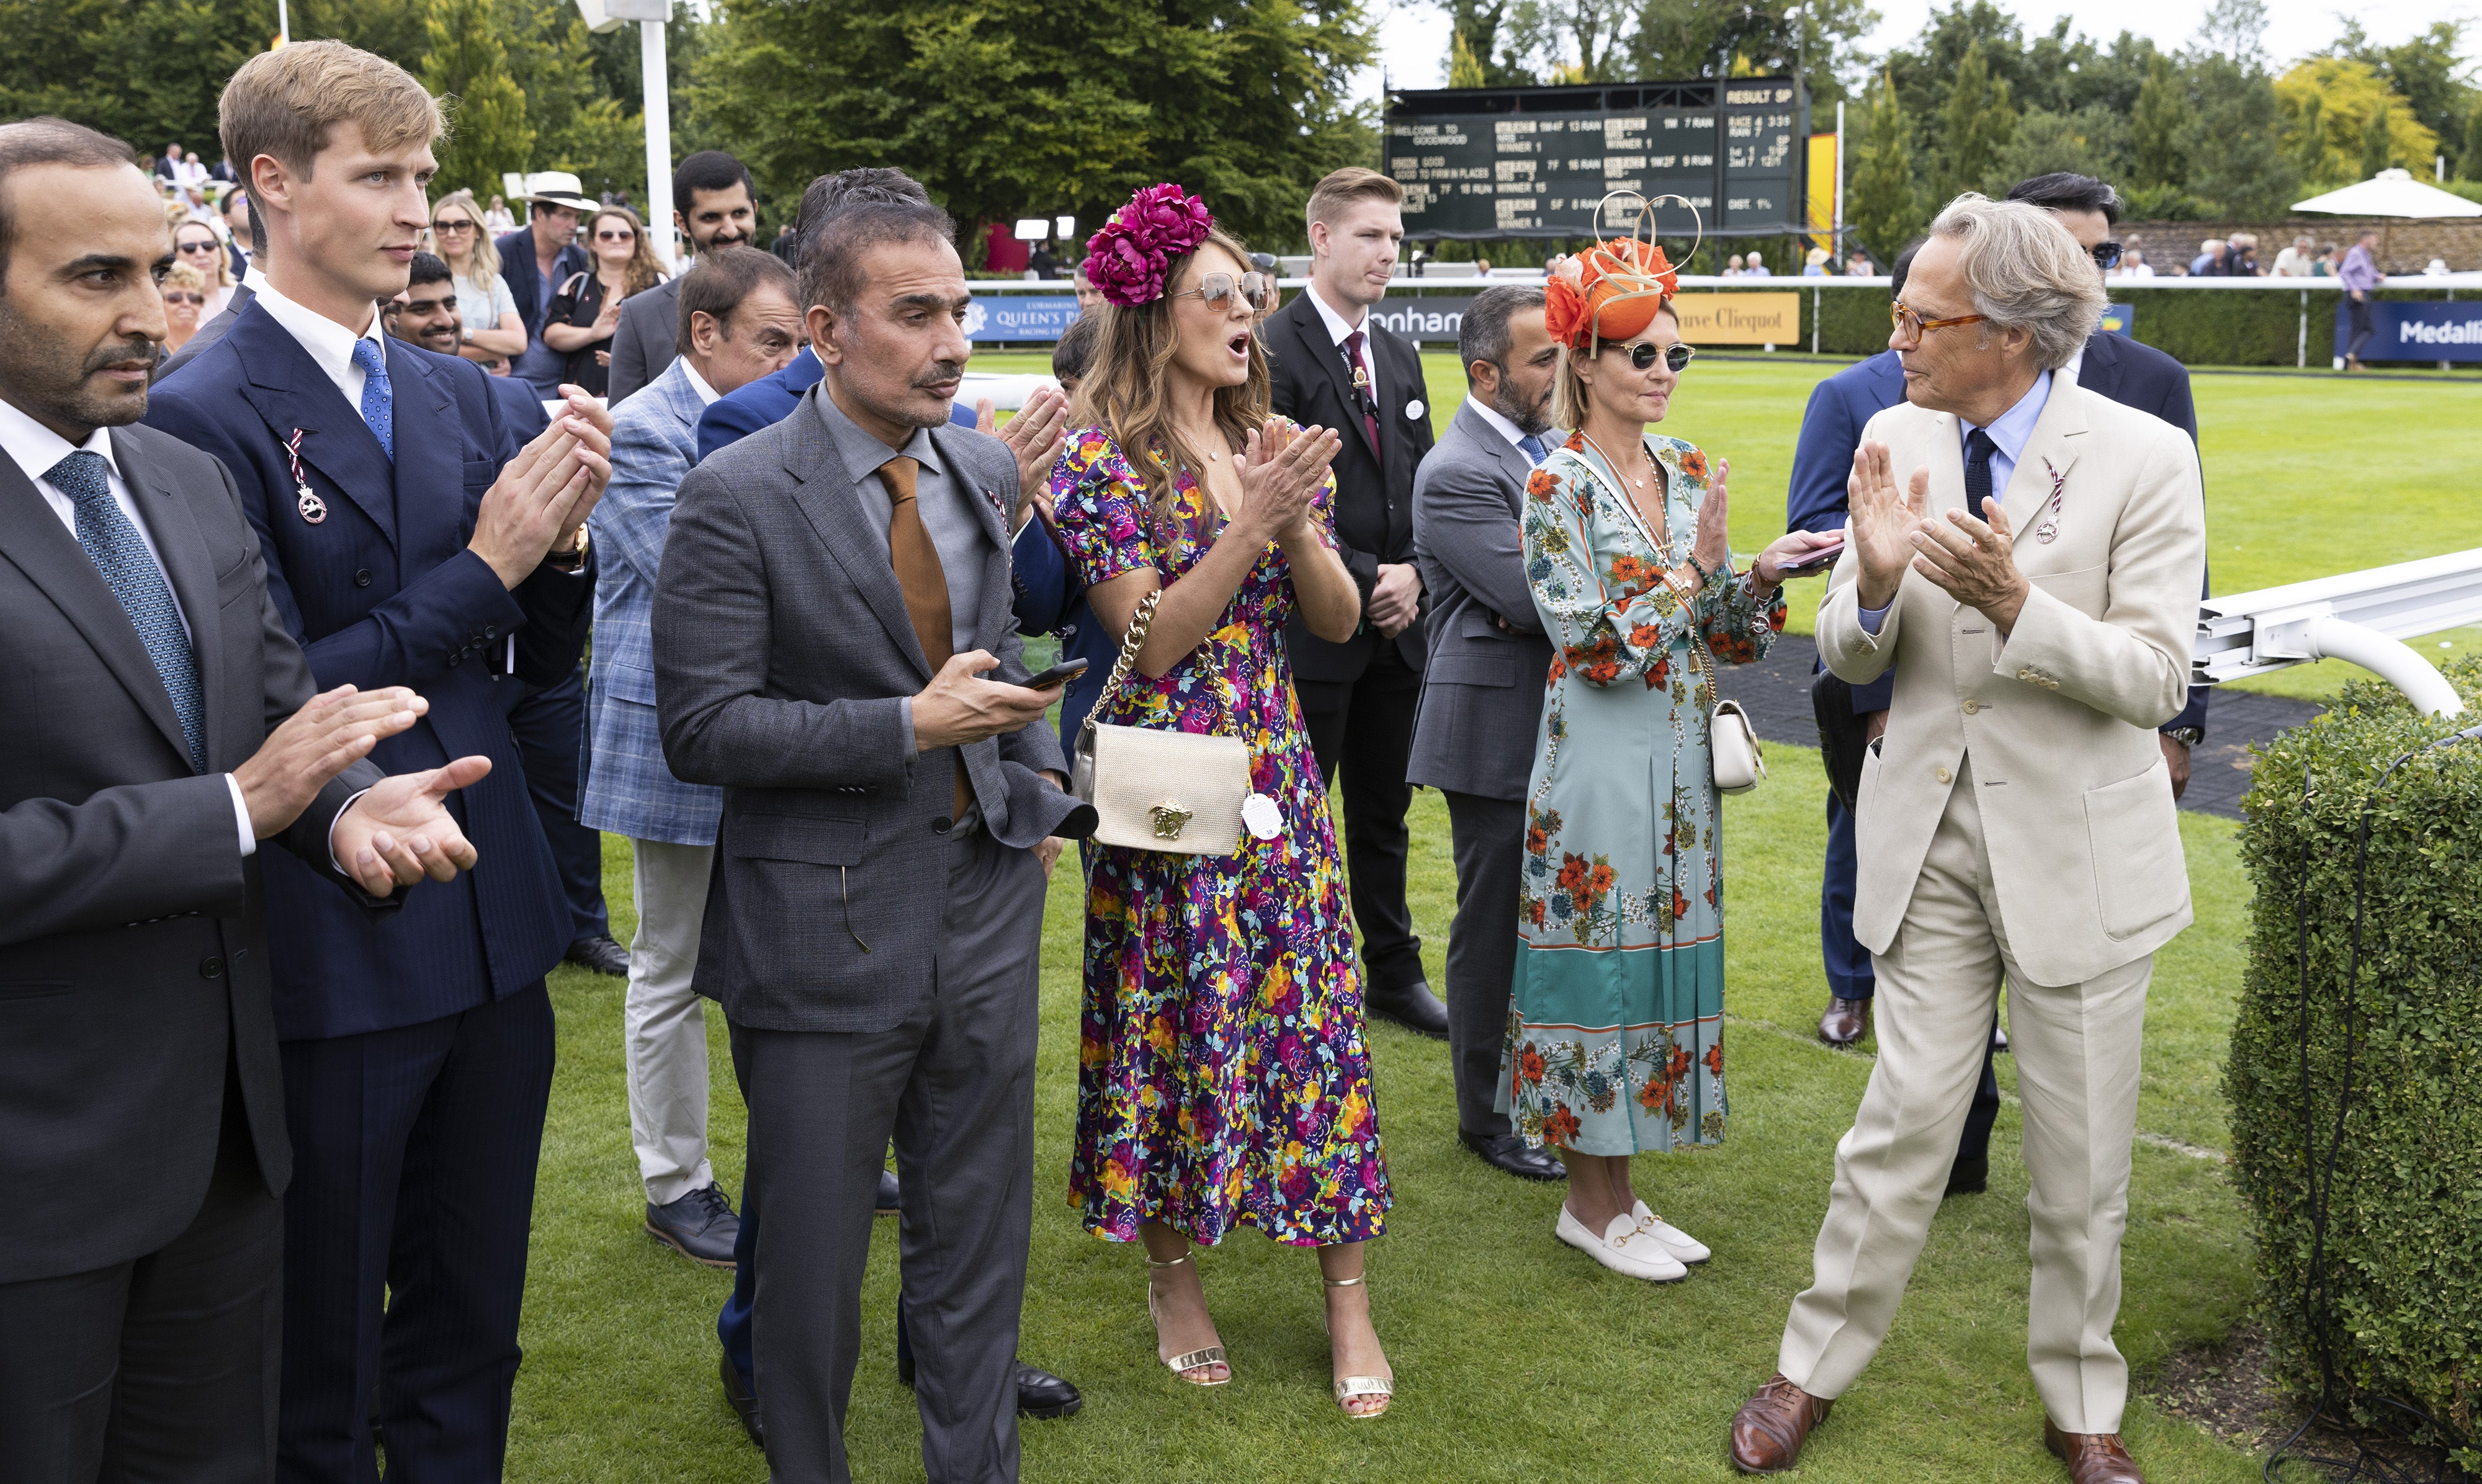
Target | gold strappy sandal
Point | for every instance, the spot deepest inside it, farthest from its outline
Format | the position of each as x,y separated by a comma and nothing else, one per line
1195,1359
1349,1387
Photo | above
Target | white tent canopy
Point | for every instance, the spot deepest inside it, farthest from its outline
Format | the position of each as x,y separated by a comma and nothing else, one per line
2392,192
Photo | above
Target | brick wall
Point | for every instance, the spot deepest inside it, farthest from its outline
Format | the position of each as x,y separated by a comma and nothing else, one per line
2404,246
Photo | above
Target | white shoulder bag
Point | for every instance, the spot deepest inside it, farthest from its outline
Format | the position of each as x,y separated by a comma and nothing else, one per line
1731,742
1177,792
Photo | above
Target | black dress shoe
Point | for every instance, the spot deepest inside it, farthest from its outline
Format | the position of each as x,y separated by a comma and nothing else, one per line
1845,1022
701,1225
1969,1177
886,1205
1412,1006
1509,1154
1041,1395
744,1400
598,952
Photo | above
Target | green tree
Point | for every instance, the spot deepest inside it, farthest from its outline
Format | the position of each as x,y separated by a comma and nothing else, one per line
2093,141
1881,202
1975,126
2156,125
1698,39
468,69
2431,74
2309,153
1465,69
1021,108
2471,155
2378,145
2238,165
1482,28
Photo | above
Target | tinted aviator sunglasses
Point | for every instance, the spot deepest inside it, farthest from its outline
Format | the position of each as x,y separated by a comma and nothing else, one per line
1644,353
2106,255
1258,290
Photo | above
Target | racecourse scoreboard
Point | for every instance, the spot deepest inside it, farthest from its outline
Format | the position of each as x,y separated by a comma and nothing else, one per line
1533,162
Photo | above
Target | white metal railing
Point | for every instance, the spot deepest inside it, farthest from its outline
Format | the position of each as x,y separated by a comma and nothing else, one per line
2362,617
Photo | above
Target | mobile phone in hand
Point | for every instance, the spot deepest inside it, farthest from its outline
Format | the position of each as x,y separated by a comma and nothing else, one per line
1062,674
1816,559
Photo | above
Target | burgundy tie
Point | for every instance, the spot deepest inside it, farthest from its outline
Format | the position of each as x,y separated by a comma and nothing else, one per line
1366,390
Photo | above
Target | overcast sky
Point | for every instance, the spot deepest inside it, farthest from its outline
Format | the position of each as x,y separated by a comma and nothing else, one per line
1413,35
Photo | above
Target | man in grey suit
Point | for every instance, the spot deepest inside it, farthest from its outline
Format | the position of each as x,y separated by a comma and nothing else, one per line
1482,695
160,727
718,209
833,589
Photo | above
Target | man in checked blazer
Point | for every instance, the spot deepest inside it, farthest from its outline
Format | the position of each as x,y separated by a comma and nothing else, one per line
1332,365
1482,693
741,325
2015,818
833,590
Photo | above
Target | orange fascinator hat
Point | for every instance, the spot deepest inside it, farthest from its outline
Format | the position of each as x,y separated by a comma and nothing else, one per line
1611,291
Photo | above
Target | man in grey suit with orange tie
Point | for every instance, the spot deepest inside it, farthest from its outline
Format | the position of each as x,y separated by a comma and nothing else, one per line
1482,693
160,728
835,589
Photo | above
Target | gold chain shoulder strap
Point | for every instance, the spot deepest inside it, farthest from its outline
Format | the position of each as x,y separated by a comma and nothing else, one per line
1130,644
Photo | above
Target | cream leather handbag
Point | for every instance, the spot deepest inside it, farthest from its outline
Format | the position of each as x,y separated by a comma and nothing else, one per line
1177,792
1731,742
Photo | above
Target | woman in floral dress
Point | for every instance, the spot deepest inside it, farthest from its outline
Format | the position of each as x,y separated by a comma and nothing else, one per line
1616,1031
1224,1073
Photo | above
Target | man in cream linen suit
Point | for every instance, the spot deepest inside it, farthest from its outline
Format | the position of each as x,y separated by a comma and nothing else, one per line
2017,817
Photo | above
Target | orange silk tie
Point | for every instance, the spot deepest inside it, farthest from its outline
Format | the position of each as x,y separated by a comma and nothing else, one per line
924,583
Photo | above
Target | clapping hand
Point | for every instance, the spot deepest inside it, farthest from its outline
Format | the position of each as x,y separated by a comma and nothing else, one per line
1884,520
306,750
1713,546
1975,562
1035,435
401,830
1281,473
544,494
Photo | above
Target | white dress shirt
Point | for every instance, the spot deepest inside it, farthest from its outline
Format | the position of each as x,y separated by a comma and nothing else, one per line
709,396
329,344
1499,424
1339,327
36,450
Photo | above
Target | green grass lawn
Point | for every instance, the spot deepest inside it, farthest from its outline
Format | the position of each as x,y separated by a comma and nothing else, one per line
1516,1357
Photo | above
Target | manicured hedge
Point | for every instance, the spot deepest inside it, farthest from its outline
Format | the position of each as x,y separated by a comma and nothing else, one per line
2402,1246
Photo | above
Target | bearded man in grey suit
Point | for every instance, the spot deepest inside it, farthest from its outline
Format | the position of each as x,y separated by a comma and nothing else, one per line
1482,693
832,591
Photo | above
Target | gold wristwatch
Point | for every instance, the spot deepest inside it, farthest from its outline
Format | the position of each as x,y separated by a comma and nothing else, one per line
572,560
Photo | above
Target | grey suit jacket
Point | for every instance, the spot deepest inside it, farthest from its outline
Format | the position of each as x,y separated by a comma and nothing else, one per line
785,661
642,342
133,957
1482,693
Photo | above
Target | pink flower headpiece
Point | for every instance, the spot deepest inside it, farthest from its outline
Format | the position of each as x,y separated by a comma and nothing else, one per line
1128,258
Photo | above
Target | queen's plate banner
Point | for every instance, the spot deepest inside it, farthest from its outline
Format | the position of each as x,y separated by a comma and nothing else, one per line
1019,317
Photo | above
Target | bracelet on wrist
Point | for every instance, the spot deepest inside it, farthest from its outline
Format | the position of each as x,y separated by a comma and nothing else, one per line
1704,577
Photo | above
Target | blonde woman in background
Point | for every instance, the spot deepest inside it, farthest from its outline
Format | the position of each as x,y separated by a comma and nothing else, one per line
185,300
459,235
587,309
197,248
498,219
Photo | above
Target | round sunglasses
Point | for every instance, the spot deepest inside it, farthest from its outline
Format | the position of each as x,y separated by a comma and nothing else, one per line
1644,353
1258,290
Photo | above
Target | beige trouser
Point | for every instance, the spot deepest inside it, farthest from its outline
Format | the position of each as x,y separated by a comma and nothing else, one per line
2077,1049
663,1023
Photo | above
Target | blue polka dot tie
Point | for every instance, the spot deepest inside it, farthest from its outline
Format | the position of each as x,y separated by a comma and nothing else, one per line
379,399
118,552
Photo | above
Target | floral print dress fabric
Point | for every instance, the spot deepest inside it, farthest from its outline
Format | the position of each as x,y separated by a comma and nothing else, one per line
1223,1071
1616,1042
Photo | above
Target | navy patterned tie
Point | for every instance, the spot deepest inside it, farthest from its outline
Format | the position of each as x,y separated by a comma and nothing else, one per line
1978,449
1532,447
379,399
118,552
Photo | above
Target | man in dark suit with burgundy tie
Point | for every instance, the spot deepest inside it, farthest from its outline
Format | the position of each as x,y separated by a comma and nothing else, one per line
1335,366
408,540
160,731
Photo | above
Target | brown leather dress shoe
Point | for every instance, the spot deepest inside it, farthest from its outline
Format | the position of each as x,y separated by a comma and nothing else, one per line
2093,1458
1845,1022
1769,1428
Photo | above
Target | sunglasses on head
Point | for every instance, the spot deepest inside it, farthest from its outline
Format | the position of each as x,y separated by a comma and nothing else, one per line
1644,353
2106,255
183,295
1258,290
458,224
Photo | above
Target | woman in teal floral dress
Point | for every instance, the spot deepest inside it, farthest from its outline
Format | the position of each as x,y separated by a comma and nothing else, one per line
1616,1031
1225,1075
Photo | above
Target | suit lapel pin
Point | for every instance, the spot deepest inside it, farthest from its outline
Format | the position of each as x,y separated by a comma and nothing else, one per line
2050,530
1413,410
312,507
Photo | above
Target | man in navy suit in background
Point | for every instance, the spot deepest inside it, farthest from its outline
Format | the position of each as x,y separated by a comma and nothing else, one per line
2111,364
408,541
